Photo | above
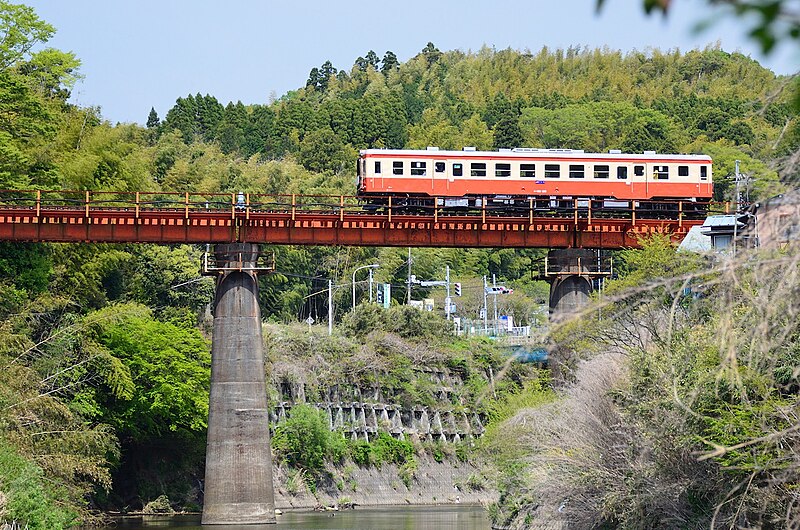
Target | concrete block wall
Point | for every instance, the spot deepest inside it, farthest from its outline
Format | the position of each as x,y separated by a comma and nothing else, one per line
361,412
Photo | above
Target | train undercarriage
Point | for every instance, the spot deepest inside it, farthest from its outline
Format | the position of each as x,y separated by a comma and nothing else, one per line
542,206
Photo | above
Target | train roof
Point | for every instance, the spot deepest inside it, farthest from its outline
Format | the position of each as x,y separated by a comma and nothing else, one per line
528,152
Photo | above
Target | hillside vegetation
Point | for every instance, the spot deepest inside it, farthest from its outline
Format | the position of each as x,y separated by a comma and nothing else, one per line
683,413
104,348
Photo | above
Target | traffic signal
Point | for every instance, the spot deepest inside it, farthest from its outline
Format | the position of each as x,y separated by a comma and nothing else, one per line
458,288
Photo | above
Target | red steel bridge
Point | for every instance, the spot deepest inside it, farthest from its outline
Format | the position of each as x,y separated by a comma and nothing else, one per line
118,217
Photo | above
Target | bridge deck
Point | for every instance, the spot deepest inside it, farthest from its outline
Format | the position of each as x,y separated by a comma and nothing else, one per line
302,220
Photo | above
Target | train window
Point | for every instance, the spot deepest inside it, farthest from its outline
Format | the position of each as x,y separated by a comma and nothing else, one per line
527,170
377,166
703,172
477,169
439,167
661,172
502,170
683,171
458,170
601,172
418,168
622,172
552,171
576,171
638,171
397,168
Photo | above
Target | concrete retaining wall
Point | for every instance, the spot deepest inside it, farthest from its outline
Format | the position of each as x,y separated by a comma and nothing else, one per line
435,483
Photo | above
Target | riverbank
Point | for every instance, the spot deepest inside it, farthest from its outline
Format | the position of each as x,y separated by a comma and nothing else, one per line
434,483
462,516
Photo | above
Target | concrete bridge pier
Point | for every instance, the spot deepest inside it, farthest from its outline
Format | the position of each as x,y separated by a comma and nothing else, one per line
570,273
569,294
238,481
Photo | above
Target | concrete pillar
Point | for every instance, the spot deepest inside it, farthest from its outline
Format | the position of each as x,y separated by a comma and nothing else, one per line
238,484
569,294
569,281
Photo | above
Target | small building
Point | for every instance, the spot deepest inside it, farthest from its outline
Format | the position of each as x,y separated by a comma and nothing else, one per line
723,229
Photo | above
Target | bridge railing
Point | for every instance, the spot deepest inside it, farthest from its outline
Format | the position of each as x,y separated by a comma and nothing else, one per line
549,266
237,203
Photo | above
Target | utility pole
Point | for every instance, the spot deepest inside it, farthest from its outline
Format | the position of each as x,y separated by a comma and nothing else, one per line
738,178
485,309
494,285
736,210
330,307
408,291
447,299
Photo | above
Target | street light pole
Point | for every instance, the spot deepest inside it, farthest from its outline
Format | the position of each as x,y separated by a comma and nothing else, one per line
370,286
373,266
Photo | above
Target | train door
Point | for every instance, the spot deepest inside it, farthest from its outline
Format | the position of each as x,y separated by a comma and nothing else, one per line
640,179
362,180
440,176
454,170
371,170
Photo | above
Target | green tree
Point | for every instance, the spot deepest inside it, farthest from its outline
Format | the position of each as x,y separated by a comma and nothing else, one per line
182,116
313,78
763,181
26,265
326,73
232,128
152,119
323,150
389,63
168,278
497,109
649,131
507,132
169,367
372,59
259,130
22,30
431,53
52,73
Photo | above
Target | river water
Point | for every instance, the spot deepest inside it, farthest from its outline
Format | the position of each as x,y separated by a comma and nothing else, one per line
456,517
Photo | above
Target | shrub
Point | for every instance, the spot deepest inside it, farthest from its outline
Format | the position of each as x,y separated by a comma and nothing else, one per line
30,498
360,452
304,439
408,472
406,321
389,450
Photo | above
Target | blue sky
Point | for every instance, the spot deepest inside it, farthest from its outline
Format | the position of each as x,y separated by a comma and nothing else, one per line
147,53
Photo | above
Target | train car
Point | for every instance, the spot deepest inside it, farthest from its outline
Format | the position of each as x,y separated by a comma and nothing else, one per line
546,179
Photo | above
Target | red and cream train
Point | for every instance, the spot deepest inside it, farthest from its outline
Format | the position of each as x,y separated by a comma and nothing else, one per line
547,179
